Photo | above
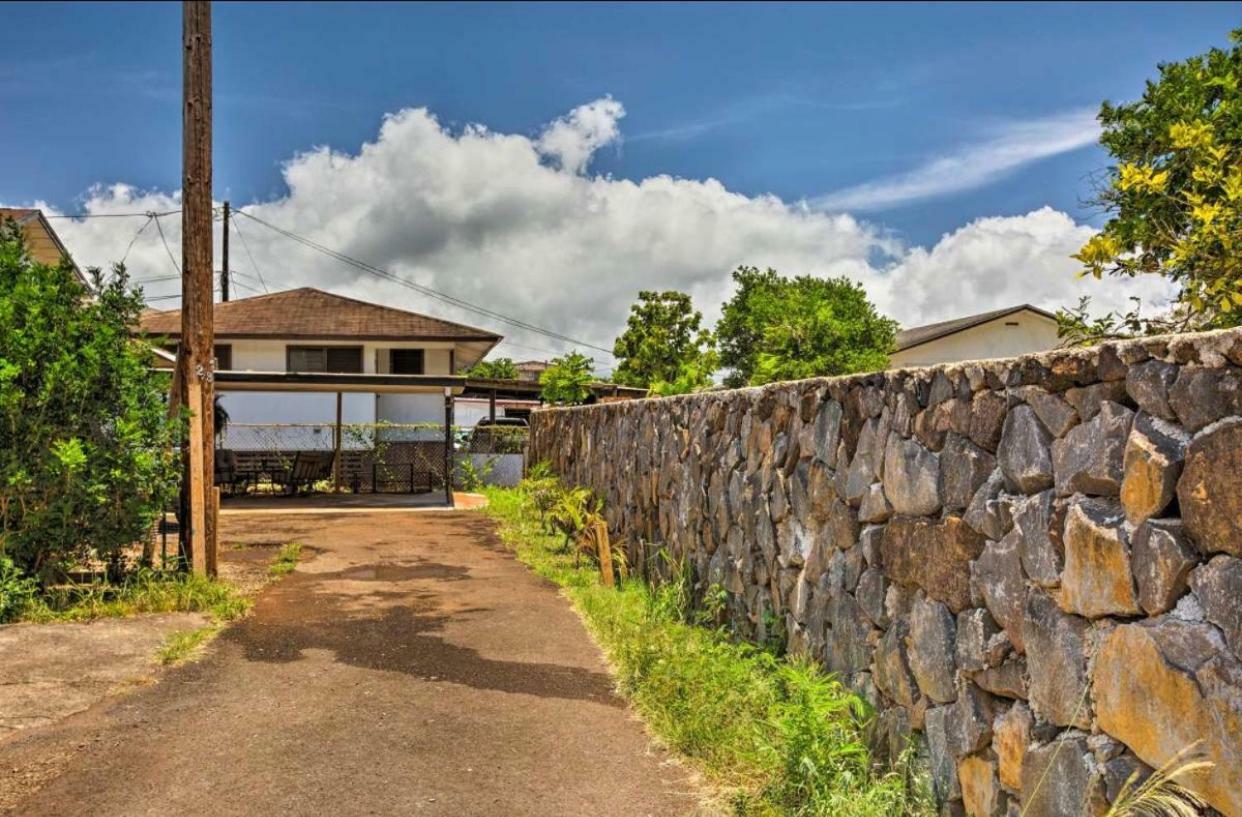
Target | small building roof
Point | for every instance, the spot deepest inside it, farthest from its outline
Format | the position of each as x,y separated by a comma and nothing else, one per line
918,335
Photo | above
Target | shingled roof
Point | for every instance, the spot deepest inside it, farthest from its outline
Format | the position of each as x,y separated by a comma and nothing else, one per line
310,313
908,338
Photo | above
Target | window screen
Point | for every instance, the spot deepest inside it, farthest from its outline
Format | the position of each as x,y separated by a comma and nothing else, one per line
224,356
346,359
406,361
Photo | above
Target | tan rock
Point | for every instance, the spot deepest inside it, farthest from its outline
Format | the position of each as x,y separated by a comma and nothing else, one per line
1154,455
980,790
1161,687
1097,580
1011,733
1210,490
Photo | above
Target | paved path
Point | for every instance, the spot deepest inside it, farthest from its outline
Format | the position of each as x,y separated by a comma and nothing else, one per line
410,666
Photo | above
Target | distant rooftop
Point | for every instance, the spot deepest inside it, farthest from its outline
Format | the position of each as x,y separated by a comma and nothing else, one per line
917,335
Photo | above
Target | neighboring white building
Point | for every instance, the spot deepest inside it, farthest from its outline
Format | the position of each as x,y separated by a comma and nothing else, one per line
1018,330
311,331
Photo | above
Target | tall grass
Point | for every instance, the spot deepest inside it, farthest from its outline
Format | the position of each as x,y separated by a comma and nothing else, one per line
144,591
779,737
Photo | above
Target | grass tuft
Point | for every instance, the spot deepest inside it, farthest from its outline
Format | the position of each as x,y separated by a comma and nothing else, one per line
779,736
180,646
286,560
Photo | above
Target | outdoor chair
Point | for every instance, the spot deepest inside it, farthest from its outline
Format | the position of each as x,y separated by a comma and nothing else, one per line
228,477
308,468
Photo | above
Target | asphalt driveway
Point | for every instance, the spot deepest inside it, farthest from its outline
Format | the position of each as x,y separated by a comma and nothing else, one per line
410,665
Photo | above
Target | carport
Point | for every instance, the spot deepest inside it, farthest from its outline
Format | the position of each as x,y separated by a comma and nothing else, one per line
342,383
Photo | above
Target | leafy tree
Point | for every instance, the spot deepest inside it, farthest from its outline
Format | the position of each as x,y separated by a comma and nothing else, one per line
87,449
776,328
664,343
502,368
567,379
1175,197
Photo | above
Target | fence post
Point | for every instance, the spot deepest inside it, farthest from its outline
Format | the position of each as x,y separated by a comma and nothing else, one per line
448,446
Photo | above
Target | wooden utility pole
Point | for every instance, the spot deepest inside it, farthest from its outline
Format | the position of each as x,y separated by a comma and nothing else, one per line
224,262
195,361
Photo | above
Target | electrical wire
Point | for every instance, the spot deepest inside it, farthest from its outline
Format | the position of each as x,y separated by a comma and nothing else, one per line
449,299
165,240
147,213
246,247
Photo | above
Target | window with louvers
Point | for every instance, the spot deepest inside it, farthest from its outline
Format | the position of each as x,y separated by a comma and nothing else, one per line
406,361
340,359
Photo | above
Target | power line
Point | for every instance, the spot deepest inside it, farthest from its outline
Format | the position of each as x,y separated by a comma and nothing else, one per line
165,240
246,247
449,299
147,213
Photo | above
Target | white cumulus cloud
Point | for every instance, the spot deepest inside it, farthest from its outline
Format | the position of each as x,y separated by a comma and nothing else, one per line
486,217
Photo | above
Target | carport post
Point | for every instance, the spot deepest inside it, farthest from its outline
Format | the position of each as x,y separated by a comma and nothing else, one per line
448,446
336,448
491,406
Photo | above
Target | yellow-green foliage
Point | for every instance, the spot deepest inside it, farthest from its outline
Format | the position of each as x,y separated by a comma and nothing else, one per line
181,645
286,560
779,736
1175,194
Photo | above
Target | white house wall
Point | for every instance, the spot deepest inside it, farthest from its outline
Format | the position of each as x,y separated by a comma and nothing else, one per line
319,409
1033,333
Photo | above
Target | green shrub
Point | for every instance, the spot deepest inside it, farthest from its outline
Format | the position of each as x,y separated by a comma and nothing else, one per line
87,450
17,590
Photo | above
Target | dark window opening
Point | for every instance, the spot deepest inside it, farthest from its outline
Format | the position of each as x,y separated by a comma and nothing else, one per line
224,356
406,361
337,359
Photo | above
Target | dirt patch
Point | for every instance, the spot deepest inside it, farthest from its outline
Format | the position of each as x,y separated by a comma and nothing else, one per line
54,670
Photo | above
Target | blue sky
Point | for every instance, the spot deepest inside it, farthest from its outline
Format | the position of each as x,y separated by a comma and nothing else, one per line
846,107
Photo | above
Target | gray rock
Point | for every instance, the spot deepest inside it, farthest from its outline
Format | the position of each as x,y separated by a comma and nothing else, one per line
1098,579
875,507
969,723
989,511
1162,556
868,462
1201,396
1070,785
980,641
872,587
1008,680
1053,411
1090,458
940,759
911,477
891,670
1024,456
1218,586
997,574
1035,519
931,649
1148,385
1086,400
964,467
1056,655
849,644
1210,489
1153,461
987,417
828,432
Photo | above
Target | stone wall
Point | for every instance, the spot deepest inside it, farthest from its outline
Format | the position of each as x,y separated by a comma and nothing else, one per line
1036,563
